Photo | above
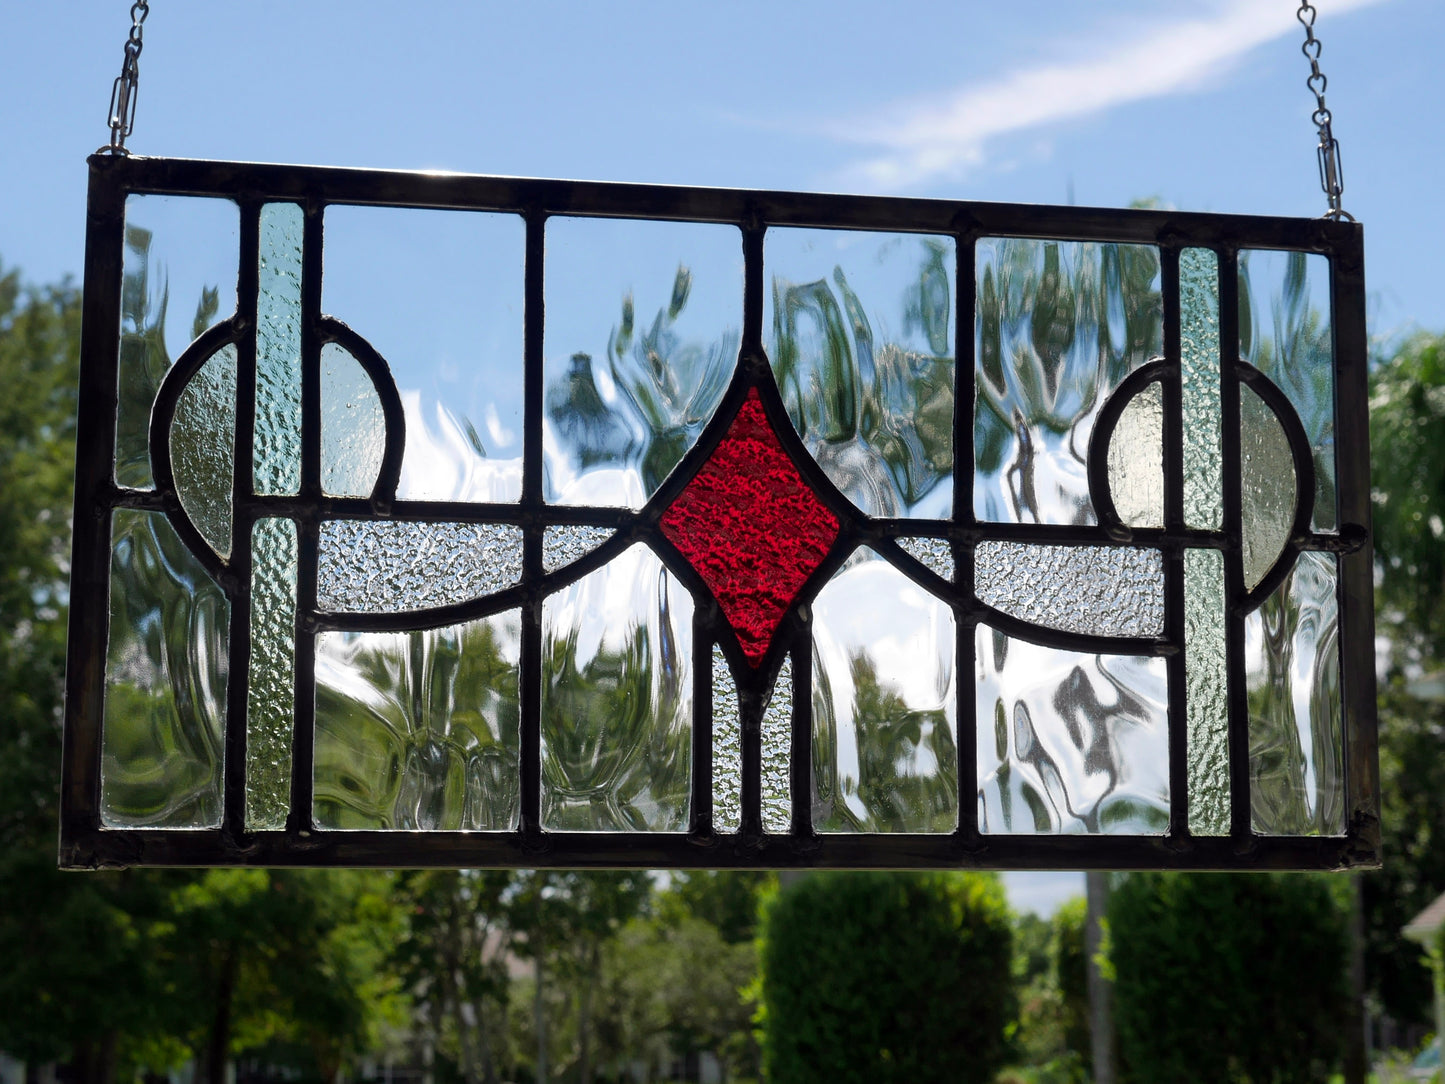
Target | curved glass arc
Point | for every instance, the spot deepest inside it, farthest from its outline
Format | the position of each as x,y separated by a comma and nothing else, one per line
203,445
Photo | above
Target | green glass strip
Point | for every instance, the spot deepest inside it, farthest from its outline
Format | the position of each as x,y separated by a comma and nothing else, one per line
277,462
1199,364
270,698
1206,680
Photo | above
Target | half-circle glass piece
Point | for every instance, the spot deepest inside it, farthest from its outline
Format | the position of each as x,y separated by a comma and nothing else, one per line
1136,459
202,446
1269,489
353,425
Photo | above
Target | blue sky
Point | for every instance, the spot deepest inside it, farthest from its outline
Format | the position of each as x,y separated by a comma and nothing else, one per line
1201,104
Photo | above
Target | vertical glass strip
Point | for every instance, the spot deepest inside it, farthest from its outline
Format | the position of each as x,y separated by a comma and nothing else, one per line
1207,681
727,747
277,462
1199,363
270,698
778,753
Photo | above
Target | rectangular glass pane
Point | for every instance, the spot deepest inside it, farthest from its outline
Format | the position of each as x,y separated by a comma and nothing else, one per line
1292,671
727,748
617,700
1095,590
165,682
1199,374
419,731
382,567
439,294
1207,682
778,753
860,330
643,325
178,279
271,695
1058,325
277,451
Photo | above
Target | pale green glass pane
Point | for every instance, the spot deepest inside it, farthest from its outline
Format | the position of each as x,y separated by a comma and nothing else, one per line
1268,487
270,697
617,700
860,331
727,747
1292,671
1069,742
165,682
778,753
1136,460
935,554
563,545
203,448
369,566
1285,332
1058,325
278,351
353,427
1199,372
885,757
419,731
1207,685
1097,590
178,278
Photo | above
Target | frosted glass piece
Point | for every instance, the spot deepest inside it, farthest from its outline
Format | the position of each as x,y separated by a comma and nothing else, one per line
885,757
165,682
1207,684
271,695
439,294
1136,460
1268,488
643,325
381,566
1292,672
861,333
1070,742
1285,332
203,448
935,554
778,754
178,278
563,545
727,747
617,700
353,426
1058,325
278,351
1097,590
419,731
1199,374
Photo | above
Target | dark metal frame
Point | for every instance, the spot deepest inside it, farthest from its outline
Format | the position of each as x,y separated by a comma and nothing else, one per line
85,844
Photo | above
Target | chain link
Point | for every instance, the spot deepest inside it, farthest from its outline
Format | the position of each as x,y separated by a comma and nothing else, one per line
1332,172
123,91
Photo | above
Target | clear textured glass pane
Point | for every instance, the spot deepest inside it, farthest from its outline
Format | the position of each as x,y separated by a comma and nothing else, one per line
353,427
1207,682
1136,460
1070,742
778,753
178,279
860,332
370,566
563,545
727,747
1284,331
419,731
1268,487
277,450
617,700
885,758
935,554
1098,590
643,323
1058,325
203,448
1292,669
165,682
1199,370
271,695
439,295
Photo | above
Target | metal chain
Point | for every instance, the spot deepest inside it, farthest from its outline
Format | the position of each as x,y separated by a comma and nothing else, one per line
123,91
1332,172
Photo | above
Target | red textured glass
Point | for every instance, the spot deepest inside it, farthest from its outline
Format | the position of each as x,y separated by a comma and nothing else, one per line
752,528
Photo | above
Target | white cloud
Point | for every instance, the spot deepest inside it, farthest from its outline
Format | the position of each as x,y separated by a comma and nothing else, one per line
943,137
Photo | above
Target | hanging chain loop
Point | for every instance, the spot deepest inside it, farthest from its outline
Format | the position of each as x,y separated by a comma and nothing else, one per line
123,91
1332,172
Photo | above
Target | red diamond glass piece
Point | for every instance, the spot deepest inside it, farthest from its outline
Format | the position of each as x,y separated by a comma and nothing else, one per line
752,528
